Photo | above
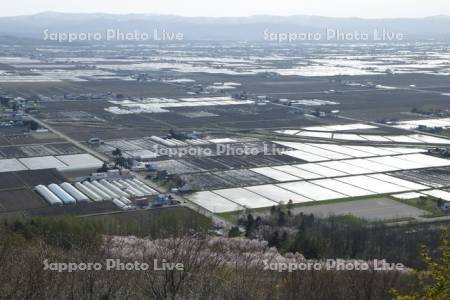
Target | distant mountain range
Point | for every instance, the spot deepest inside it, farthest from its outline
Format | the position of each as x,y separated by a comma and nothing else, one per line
229,28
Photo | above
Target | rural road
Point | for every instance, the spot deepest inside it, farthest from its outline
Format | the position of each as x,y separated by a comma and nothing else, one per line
182,200
69,139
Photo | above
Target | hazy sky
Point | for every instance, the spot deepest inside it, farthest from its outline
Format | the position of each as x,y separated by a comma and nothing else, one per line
338,8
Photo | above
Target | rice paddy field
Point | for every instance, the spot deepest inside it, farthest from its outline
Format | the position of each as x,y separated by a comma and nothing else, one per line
338,177
317,124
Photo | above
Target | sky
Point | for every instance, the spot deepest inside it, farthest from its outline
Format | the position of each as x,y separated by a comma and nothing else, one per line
222,8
